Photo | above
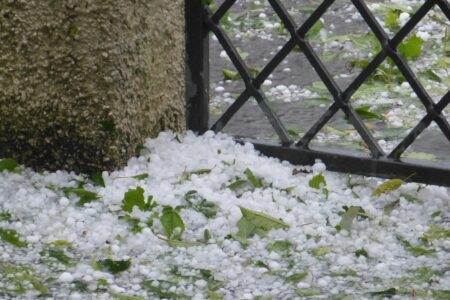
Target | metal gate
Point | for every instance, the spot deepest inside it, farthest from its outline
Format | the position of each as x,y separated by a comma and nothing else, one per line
200,21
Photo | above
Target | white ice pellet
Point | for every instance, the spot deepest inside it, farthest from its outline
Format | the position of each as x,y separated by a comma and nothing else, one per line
267,82
319,167
65,277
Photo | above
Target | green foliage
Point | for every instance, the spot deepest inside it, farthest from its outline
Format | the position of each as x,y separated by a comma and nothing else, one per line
237,184
231,75
362,252
388,186
9,165
296,278
125,297
365,113
256,182
207,208
415,250
132,198
348,217
5,216
112,266
411,48
253,222
318,182
97,179
12,237
135,197
280,246
308,292
84,195
58,254
172,223
16,279
436,233
391,19
320,251
315,29
162,289
140,176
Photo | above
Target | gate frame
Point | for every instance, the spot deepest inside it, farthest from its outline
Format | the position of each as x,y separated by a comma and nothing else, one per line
200,21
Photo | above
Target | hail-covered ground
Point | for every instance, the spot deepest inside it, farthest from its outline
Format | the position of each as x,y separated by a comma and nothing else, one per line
206,218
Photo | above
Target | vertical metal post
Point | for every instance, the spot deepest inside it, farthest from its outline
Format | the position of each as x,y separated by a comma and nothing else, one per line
197,67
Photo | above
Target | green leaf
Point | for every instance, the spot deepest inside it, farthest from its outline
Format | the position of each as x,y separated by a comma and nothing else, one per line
113,266
253,222
430,74
410,198
97,179
8,164
201,171
125,297
294,133
388,208
215,296
207,208
364,113
388,186
348,217
231,75
184,244
84,195
348,272
385,293
11,236
391,19
416,251
320,251
441,294
256,182
172,223
206,235
317,182
296,278
140,176
134,223
280,246
61,243
308,292
132,198
361,252
437,213
81,286
411,48
16,279
436,233
161,289
237,184
5,216
315,29
57,254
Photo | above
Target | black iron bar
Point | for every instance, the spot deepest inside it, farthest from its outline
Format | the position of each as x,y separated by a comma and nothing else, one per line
197,68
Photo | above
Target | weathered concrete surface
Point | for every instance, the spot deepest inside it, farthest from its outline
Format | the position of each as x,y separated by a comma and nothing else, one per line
83,82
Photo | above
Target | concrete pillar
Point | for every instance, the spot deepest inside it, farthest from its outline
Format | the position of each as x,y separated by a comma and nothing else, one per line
84,82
